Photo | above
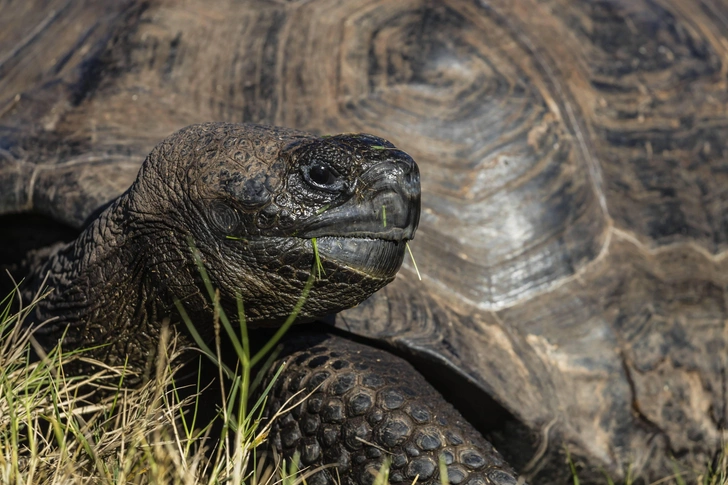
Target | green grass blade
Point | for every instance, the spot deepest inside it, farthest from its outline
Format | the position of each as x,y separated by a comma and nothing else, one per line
287,324
319,268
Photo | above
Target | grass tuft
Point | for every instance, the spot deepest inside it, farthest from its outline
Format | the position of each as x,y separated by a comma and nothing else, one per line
58,429
54,431
709,475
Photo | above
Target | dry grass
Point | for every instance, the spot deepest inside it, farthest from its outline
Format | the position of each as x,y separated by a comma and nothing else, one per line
53,432
712,474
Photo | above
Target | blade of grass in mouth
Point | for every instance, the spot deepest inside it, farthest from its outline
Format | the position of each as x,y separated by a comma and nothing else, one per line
413,260
318,266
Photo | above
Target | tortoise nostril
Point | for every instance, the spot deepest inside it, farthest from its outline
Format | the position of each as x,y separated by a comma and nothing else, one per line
406,164
410,179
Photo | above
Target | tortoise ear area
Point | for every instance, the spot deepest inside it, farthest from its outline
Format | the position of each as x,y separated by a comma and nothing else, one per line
224,218
249,188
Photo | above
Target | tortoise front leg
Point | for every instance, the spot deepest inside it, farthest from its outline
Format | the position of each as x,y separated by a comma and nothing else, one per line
368,405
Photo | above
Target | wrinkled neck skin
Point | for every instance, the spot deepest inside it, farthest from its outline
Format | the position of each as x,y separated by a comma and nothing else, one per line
104,291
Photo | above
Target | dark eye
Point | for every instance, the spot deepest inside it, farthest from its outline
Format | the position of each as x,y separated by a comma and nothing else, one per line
323,176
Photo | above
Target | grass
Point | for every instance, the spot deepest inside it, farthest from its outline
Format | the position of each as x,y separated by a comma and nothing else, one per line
53,431
318,267
710,475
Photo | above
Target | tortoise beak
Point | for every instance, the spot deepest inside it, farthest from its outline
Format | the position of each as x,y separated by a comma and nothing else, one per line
368,232
377,258
385,204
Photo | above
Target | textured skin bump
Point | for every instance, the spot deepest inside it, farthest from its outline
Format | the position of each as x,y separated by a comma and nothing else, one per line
366,404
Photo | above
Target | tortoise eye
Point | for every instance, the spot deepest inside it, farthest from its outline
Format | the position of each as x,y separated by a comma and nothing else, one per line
322,176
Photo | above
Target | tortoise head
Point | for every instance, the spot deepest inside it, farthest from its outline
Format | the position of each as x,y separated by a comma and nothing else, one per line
266,206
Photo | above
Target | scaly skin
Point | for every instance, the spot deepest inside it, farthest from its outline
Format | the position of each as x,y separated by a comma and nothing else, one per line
366,405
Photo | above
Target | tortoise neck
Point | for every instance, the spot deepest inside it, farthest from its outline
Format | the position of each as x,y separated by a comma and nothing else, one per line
99,291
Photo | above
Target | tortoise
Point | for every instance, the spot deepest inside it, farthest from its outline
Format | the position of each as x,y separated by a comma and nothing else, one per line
257,206
573,231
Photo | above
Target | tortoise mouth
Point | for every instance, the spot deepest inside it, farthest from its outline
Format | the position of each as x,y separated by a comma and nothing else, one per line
375,256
